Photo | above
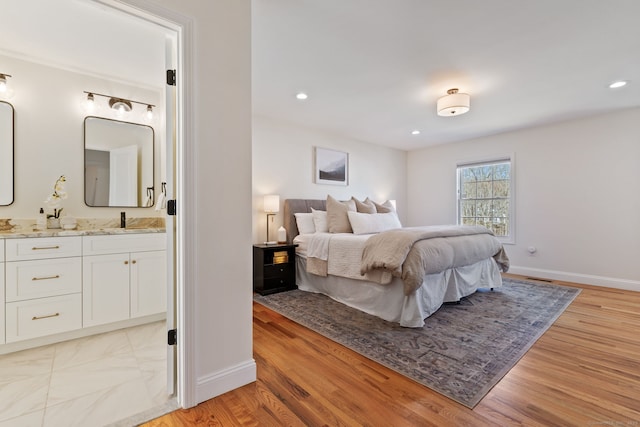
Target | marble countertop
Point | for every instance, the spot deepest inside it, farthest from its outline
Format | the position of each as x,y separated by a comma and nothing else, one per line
78,232
20,228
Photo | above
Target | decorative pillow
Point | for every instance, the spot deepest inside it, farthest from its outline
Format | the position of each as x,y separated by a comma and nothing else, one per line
384,207
337,218
365,206
304,221
362,223
320,221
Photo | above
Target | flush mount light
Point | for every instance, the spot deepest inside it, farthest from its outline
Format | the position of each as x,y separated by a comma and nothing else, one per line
415,132
301,95
618,84
453,104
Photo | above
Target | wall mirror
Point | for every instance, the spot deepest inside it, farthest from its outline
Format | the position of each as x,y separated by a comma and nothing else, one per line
6,153
118,163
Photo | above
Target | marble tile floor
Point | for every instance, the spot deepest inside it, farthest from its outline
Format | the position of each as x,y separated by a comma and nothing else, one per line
93,381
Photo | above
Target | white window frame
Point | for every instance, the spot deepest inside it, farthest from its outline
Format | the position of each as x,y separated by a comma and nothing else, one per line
511,237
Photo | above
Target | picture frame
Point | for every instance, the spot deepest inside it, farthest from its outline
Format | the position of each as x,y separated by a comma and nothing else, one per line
330,166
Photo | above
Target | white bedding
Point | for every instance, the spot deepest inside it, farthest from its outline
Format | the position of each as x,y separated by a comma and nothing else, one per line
388,301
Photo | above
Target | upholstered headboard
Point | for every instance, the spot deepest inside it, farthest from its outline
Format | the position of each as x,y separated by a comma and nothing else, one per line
293,206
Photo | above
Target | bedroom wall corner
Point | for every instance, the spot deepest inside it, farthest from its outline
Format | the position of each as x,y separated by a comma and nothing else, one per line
577,195
283,165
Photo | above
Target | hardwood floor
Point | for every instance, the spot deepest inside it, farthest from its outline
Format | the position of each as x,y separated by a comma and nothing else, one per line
584,371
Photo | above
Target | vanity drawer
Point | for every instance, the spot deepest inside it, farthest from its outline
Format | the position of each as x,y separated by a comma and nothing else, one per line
43,278
42,248
114,244
44,316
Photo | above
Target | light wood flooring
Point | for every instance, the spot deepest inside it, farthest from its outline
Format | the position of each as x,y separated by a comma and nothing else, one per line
584,371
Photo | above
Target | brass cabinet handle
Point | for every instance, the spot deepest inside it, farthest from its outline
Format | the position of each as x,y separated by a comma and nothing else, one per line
45,317
36,248
57,276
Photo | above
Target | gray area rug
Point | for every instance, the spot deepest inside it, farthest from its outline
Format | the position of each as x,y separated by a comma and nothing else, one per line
463,350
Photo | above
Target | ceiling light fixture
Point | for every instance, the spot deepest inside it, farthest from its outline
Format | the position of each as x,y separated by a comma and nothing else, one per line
415,132
301,95
618,84
3,82
453,104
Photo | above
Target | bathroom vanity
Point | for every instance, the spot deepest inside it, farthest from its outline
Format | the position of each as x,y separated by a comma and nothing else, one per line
69,284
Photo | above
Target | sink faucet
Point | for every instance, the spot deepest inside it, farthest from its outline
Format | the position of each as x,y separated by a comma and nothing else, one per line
123,220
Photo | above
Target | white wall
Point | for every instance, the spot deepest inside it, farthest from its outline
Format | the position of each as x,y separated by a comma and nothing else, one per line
49,116
216,206
577,196
283,165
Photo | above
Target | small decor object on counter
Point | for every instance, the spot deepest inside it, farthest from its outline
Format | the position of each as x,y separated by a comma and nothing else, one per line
282,235
41,221
54,201
68,222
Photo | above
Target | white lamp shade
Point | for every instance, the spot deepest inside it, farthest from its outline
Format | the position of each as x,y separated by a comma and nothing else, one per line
454,104
271,203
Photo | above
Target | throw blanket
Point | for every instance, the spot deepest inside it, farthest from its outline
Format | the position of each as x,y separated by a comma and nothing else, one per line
413,252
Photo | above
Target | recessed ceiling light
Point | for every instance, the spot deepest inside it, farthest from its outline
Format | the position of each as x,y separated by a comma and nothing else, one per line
415,132
301,95
618,84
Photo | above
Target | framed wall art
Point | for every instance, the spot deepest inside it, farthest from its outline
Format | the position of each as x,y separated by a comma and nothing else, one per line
330,166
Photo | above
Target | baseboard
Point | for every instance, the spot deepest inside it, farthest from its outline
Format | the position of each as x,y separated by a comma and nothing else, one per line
608,282
217,383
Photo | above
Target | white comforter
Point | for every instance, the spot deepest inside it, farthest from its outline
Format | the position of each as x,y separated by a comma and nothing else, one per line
340,254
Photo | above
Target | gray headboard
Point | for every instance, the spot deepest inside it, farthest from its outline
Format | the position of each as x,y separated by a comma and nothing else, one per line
293,206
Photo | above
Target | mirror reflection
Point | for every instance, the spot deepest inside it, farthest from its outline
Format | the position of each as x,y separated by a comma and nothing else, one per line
118,163
6,153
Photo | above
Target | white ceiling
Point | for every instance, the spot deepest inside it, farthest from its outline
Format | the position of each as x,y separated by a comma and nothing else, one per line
374,69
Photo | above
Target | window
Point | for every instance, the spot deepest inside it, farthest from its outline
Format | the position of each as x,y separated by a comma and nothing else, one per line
485,196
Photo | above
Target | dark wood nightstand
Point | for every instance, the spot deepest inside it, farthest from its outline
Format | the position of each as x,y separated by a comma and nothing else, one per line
274,268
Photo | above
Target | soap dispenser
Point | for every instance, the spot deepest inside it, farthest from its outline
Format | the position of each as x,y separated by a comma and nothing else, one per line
41,222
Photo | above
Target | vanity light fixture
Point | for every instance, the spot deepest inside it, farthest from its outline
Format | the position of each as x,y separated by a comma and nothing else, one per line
149,112
3,82
121,105
90,103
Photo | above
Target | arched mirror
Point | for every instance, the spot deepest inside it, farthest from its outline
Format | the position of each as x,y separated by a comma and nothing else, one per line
6,153
118,163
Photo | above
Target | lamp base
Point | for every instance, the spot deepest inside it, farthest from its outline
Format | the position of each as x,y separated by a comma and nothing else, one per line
270,243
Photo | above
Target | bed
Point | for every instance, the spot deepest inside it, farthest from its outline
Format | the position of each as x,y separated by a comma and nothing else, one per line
339,265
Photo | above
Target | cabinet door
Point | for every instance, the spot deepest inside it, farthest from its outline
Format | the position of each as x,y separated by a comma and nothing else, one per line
105,289
2,300
148,283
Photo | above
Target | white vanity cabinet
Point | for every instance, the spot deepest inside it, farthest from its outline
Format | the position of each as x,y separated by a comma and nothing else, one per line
124,276
43,285
1,293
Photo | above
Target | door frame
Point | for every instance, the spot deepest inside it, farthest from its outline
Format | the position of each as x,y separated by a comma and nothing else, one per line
184,188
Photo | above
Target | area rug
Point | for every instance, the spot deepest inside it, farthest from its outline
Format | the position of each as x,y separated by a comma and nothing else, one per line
462,351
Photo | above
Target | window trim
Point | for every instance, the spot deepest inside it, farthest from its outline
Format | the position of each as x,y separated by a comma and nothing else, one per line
511,238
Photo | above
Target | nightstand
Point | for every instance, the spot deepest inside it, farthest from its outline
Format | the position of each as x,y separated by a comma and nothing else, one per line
274,268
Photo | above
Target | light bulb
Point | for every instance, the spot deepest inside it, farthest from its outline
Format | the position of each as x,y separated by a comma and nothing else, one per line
90,103
149,112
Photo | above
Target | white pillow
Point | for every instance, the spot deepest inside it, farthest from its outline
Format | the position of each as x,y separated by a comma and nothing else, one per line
363,223
320,221
304,221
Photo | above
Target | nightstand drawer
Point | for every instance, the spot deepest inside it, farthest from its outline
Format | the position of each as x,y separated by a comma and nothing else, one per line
44,316
277,283
277,270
